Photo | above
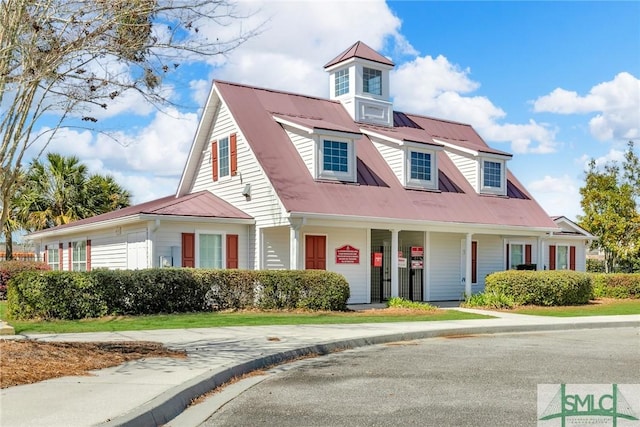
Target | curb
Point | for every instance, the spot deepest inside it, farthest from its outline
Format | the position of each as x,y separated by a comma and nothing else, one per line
171,403
6,329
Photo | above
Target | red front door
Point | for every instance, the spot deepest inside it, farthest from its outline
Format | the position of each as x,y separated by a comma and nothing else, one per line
315,252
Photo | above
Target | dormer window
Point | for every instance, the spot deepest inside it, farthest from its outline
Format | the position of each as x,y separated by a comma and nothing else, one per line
492,177
336,159
371,81
342,82
421,169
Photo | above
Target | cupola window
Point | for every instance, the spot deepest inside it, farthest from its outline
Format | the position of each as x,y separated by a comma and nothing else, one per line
372,81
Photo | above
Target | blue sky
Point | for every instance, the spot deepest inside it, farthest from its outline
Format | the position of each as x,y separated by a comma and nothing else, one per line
554,83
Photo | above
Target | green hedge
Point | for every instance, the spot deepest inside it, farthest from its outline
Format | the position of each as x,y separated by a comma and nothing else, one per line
8,269
616,285
76,295
545,288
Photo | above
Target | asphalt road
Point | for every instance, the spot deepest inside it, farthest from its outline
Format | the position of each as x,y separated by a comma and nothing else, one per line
482,380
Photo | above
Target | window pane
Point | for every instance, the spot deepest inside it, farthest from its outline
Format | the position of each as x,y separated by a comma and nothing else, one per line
562,262
492,174
342,82
517,255
53,259
223,156
79,256
335,156
420,166
210,251
372,81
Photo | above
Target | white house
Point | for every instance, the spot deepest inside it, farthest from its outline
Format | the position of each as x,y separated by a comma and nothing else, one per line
399,203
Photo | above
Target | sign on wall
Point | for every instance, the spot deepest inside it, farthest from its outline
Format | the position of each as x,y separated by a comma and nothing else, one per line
347,254
376,259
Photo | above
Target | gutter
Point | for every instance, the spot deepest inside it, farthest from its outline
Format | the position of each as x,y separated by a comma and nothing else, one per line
421,223
129,220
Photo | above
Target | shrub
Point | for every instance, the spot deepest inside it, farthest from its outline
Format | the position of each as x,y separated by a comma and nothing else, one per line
226,289
8,269
54,295
595,265
617,285
397,302
306,289
490,299
546,288
74,295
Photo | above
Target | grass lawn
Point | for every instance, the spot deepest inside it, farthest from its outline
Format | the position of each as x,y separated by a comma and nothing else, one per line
600,307
243,318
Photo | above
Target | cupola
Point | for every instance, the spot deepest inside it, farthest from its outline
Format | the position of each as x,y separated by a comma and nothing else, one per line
359,79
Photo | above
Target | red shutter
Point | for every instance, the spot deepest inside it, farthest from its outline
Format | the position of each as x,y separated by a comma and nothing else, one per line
507,256
527,254
214,160
572,258
552,257
474,262
232,251
188,250
233,153
88,255
70,256
60,252
45,257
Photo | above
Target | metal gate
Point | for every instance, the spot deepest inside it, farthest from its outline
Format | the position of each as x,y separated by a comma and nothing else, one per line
409,279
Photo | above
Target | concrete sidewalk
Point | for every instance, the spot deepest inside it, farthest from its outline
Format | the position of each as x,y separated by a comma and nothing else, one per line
154,391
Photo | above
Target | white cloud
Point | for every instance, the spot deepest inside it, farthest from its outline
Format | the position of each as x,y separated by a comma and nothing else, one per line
436,87
147,161
557,195
200,91
316,32
616,102
613,156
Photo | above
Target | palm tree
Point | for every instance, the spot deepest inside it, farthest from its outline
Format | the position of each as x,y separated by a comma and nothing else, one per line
60,191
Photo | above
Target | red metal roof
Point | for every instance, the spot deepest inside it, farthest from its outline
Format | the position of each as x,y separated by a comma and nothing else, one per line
201,204
360,50
378,193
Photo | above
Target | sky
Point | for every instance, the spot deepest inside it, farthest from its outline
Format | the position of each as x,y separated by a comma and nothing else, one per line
554,83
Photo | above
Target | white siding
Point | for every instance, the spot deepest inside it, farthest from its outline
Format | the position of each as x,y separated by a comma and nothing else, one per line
109,251
356,274
490,258
445,275
275,248
263,205
306,147
168,240
467,166
394,156
581,255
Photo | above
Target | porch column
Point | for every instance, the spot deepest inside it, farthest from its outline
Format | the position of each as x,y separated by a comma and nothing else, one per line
294,248
295,244
395,282
467,270
540,251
